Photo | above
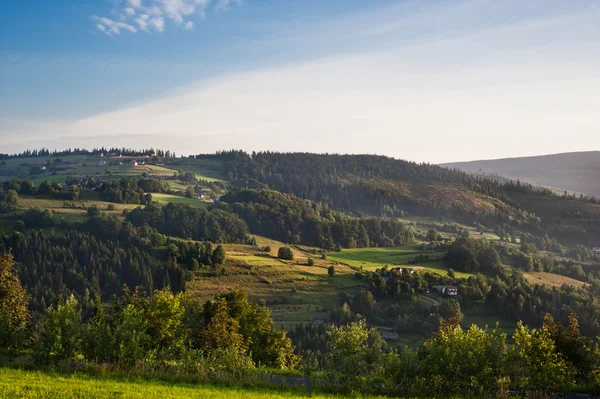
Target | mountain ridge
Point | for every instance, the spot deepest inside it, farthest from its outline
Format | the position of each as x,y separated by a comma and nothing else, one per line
572,171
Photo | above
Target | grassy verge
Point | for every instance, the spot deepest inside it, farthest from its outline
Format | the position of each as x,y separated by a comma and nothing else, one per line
37,384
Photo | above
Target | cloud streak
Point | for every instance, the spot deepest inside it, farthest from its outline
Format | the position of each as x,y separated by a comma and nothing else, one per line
151,15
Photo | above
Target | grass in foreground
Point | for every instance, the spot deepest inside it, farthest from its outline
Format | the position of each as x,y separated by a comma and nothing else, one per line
36,384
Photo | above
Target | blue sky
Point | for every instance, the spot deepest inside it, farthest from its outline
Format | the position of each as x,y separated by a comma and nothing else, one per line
434,81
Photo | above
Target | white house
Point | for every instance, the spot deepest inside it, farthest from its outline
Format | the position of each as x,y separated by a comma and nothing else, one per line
596,250
102,163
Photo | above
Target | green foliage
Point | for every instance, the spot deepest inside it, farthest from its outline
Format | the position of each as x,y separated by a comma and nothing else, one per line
471,255
296,221
331,271
219,256
310,262
14,314
536,366
285,253
9,200
60,338
356,356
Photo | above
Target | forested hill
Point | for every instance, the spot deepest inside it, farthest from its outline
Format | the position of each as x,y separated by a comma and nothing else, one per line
574,171
383,186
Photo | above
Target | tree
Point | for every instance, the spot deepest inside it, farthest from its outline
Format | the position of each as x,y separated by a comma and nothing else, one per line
469,363
537,368
14,314
433,235
219,256
331,271
93,211
60,338
355,355
285,253
222,330
310,262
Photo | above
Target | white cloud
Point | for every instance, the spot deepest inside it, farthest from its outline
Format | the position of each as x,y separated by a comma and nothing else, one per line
224,5
179,12
515,89
111,27
135,3
158,23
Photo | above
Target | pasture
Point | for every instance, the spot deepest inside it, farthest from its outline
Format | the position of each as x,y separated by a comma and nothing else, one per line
552,280
376,258
166,198
294,291
37,384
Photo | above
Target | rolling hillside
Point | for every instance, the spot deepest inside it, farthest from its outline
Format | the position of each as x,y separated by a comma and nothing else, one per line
575,171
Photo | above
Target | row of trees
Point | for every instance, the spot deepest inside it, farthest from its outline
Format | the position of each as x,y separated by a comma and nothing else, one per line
45,152
454,361
293,220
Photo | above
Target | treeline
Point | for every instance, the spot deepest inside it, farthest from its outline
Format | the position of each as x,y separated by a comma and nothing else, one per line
227,332
56,265
179,220
228,336
296,221
45,152
383,186
471,362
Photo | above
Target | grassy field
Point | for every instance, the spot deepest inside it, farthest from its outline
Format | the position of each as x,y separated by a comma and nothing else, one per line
166,198
35,384
552,280
376,258
294,291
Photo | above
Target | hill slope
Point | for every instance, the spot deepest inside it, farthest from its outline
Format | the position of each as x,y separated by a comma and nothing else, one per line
382,186
574,171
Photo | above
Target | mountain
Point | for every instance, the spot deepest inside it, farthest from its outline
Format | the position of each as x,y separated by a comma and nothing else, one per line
573,171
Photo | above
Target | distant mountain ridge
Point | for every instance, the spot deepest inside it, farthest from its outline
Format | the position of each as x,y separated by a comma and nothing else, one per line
572,171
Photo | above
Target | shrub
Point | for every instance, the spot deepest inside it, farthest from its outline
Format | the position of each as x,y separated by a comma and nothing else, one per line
285,253
310,262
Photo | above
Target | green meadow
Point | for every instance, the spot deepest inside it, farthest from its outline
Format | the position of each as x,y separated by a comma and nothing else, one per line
376,258
36,384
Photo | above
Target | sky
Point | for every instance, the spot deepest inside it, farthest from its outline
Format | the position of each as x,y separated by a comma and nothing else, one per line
429,81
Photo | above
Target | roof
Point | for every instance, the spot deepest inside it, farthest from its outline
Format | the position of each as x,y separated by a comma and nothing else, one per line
452,287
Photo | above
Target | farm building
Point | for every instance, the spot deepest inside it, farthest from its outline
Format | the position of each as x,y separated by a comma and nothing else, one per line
134,163
449,290
102,163
596,250
203,194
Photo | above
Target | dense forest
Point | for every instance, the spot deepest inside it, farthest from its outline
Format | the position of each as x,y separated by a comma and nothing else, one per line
296,221
382,186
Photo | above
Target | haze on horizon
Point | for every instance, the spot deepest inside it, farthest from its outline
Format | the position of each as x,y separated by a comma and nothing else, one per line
435,81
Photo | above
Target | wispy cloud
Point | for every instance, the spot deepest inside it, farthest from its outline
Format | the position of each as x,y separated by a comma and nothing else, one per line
111,27
151,15
224,5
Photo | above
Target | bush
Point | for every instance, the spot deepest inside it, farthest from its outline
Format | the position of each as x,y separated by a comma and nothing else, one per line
331,271
60,337
93,211
310,262
111,207
285,253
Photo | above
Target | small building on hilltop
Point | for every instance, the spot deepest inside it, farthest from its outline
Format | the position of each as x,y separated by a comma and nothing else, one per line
596,250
